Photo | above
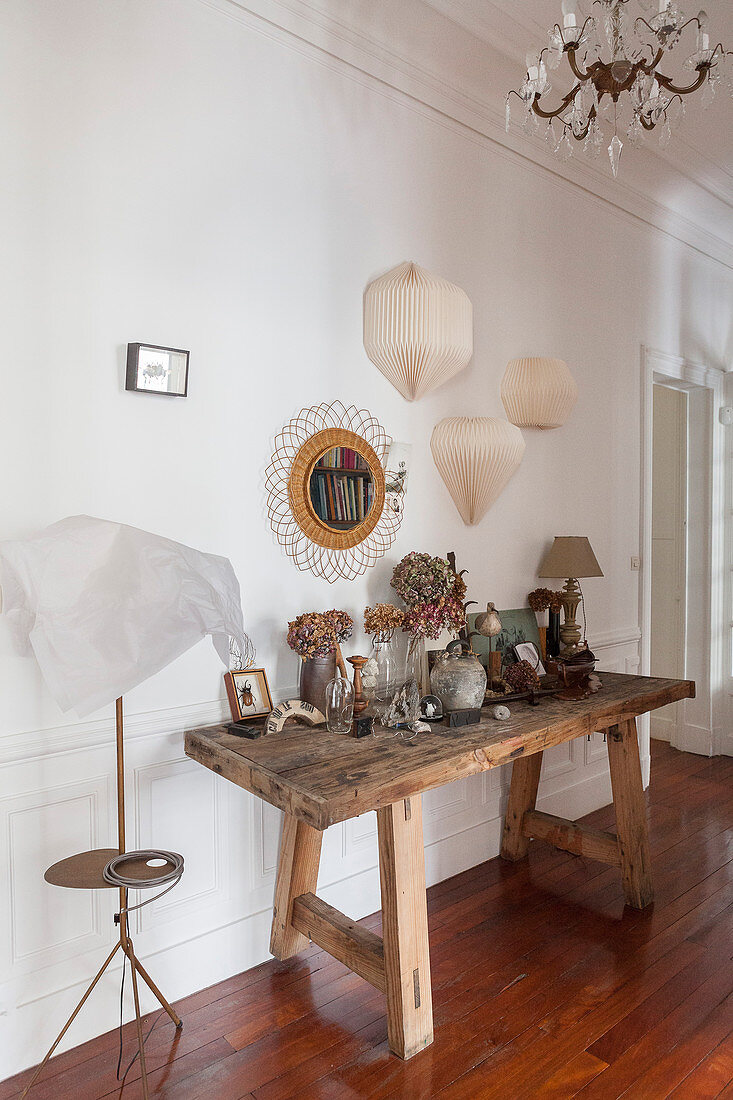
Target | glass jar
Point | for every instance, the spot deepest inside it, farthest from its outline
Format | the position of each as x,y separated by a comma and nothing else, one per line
340,705
389,680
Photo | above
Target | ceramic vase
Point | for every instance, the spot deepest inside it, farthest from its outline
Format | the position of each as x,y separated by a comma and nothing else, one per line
315,676
459,680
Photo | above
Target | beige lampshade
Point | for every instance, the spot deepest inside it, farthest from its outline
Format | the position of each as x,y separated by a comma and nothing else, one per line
475,457
538,393
570,556
418,329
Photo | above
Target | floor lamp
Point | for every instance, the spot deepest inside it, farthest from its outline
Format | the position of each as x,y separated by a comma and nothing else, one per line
130,602
86,871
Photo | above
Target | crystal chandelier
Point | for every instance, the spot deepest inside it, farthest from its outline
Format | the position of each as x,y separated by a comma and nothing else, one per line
625,92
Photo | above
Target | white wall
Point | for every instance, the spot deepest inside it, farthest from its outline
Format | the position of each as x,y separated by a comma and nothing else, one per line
185,173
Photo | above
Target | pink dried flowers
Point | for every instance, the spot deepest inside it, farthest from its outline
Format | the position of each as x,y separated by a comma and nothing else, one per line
433,592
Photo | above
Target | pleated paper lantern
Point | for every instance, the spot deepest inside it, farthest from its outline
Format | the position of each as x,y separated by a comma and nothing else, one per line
418,330
538,393
476,456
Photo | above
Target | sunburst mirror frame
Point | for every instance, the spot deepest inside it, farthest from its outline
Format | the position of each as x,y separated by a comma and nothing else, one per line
311,543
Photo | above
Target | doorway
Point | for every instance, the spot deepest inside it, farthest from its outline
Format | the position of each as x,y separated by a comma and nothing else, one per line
669,547
682,589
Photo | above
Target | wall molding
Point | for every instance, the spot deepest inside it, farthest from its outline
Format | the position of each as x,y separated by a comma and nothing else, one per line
169,722
345,49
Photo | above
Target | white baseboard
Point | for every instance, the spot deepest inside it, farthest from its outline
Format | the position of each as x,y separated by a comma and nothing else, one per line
662,730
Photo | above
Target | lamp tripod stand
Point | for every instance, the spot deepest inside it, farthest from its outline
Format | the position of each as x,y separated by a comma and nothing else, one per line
86,872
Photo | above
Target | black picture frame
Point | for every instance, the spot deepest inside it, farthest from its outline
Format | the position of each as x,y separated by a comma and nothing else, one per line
137,369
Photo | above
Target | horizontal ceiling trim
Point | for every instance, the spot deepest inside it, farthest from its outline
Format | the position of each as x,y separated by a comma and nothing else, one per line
344,49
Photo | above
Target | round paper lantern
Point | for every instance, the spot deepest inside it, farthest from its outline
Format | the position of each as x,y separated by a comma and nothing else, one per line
476,456
538,393
418,330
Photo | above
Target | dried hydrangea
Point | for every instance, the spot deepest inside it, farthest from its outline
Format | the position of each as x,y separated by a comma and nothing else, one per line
311,635
429,620
382,620
522,677
543,598
342,624
421,578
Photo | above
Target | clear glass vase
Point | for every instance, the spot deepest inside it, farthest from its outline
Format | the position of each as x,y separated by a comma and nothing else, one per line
390,680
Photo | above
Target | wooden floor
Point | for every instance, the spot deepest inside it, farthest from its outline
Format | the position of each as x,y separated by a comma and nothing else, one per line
544,986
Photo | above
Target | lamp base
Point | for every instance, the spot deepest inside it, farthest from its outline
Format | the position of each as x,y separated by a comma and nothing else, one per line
570,632
124,944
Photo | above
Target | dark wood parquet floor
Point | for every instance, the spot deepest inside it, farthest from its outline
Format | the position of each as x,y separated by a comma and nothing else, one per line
545,986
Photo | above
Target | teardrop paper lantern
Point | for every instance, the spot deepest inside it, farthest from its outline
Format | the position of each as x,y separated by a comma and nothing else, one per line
538,393
475,457
418,330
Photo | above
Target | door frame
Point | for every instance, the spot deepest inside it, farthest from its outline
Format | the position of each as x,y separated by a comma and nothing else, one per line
683,426
701,729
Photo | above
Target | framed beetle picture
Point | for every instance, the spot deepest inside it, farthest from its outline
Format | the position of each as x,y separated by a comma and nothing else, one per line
155,369
248,693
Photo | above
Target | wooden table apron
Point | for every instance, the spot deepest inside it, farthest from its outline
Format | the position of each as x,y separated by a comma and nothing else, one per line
320,778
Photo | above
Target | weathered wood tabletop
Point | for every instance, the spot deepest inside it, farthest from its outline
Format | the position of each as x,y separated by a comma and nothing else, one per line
322,778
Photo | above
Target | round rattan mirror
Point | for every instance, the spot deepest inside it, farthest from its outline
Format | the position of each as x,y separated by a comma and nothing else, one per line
336,488
341,489
326,491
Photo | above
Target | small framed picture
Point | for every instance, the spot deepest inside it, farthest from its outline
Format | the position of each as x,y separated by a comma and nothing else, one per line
154,369
248,693
528,651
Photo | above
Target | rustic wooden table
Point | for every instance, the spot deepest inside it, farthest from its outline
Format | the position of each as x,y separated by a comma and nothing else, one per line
319,778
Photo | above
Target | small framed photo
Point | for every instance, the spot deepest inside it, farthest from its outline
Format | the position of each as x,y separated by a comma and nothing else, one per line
528,651
154,369
248,693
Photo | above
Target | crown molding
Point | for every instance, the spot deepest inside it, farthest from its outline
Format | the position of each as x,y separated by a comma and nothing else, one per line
511,34
348,50
513,31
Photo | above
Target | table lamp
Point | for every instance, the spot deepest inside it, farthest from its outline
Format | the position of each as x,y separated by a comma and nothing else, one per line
102,607
570,556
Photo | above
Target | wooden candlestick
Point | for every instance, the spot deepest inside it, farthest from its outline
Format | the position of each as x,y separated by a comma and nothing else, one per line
360,703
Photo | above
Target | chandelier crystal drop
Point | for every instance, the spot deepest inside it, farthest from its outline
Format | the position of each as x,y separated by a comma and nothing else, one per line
614,61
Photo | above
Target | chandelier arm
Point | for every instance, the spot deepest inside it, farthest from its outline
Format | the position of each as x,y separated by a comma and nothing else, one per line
582,76
693,19
584,133
650,68
563,106
665,82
